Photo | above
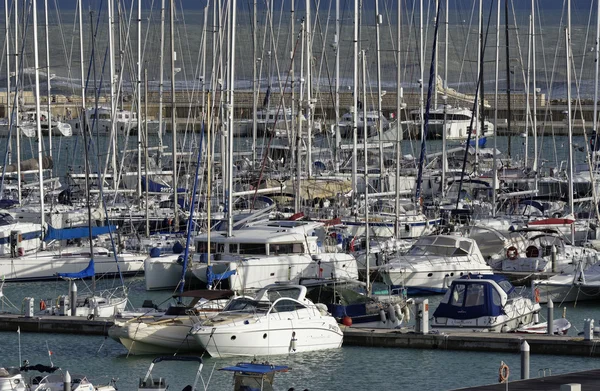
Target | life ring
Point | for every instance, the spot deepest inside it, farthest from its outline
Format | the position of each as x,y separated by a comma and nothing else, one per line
42,305
503,372
536,294
512,253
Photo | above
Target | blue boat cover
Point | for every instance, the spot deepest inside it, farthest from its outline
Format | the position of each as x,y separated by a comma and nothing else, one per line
256,368
85,273
472,297
154,187
75,233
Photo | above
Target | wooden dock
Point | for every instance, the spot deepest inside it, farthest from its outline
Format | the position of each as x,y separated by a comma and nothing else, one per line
472,341
55,324
589,380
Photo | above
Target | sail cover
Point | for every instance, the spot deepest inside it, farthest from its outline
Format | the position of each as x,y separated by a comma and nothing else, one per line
85,273
75,233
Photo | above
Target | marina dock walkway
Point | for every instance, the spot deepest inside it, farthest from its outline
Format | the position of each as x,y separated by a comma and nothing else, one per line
589,380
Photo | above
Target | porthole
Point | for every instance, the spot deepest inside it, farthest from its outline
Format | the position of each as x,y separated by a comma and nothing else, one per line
265,336
233,337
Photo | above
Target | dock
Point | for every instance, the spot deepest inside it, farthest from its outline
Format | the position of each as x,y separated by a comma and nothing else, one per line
55,324
472,341
589,380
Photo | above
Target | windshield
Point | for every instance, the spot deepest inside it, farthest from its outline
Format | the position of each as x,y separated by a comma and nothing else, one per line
441,246
244,304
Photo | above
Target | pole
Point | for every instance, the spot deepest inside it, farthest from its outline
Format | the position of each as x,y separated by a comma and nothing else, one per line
230,127
365,133
534,118
173,114
255,79
398,117
17,105
355,112
37,115
48,79
337,86
146,165
495,162
161,81
509,112
378,21
525,360
308,84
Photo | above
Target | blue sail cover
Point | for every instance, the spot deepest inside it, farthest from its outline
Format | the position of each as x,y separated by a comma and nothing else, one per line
154,187
75,233
85,273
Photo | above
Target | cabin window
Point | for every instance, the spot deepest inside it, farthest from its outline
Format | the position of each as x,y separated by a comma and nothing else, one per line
458,295
496,298
475,295
285,248
252,248
287,306
202,247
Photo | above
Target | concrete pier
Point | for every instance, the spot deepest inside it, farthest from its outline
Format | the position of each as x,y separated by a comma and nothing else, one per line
56,324
472,341
588,380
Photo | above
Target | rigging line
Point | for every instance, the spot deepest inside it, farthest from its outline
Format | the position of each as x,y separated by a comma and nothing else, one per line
13,112
467,146
464,55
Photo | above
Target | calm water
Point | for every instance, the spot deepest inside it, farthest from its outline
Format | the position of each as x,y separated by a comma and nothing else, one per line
348,368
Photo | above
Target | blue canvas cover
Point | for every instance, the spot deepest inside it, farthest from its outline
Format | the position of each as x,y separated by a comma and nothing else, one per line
154,187
471,298
256,368
85,273
75,233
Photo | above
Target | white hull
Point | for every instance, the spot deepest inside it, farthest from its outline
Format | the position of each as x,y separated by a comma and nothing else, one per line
162,272
44,265
163,337
250,340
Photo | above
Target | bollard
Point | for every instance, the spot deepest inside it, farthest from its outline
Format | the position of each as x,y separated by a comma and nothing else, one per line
67,381
525,360
570,387
422,318
588,329
73,298
550,317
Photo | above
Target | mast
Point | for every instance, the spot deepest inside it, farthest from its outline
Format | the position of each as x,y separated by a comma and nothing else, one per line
355,105
495,161
509,112
378,21
445,99
161,81
337,86
569,117
146,164
8,86
139,99
398,117
84,130
534,122
481,106
299,130
48,100
37,115
255,88
230,125
15,119
421,75
173,113
596,60
113,97
366,133
527,91
309,102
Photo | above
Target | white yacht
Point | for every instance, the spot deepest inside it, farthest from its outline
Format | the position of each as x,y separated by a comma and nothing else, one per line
255,256
580,285
125,121
457,125
28,125
278,320
374,121
11,379
433,262
484,303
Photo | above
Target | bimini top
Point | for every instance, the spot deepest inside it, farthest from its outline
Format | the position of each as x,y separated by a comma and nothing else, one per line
475,296
256,368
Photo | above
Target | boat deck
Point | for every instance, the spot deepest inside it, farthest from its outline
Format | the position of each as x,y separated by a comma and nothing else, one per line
55,324
589,380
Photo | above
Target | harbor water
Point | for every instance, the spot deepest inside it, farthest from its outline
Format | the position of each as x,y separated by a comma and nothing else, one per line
347,368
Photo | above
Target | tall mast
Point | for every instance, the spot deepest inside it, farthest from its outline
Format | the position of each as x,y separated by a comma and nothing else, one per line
173,113
37,115
534,117
597,60
161,81
337,86
355,105
378,21
8,86
480,107
113,97
139,98
509,112
365,134
15,119
255,87
569,117
299,119
398,117
230,125
48,78
309,102
527,92
495,161
445,99
421,73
